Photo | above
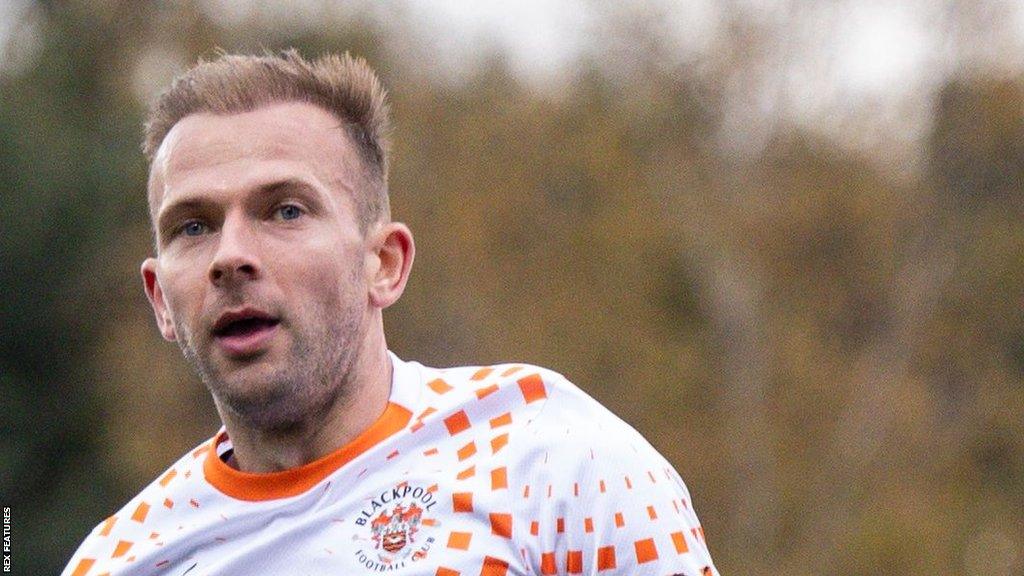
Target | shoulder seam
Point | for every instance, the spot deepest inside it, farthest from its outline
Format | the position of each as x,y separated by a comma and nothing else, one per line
519,528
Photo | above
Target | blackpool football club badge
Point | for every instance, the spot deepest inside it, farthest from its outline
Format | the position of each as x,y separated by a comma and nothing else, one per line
395,527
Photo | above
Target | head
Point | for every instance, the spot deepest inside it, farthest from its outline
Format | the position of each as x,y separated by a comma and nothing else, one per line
275,252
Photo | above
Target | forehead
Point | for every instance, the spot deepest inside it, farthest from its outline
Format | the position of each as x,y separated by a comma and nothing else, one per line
289,139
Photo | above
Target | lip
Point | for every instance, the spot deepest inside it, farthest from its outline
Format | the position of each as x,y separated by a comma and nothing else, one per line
249,342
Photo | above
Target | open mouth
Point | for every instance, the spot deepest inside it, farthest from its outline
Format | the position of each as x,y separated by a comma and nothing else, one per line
245,333
243,323
246,326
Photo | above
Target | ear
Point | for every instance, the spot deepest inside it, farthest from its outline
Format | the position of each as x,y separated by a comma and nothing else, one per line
393,251
156,300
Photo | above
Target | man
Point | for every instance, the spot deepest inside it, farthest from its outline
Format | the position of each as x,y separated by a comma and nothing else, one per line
275,257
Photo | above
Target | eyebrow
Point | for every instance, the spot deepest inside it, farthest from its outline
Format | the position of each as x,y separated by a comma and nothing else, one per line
284,185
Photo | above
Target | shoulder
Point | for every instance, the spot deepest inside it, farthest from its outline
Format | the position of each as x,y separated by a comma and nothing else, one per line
505,396
142,522
590,493
573,439
551,435
542,409
482,381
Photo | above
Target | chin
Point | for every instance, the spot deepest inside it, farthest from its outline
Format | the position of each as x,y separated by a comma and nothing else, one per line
269,402
271,410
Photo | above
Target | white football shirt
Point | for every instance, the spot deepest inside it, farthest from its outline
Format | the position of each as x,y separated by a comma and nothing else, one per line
489,471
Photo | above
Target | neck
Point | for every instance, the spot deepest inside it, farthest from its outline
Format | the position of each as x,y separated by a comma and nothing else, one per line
354,410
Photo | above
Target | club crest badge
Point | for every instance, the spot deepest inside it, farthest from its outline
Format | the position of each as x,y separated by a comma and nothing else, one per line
394,531
395,528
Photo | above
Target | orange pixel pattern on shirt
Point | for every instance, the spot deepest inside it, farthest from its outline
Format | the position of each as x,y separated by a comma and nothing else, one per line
475,441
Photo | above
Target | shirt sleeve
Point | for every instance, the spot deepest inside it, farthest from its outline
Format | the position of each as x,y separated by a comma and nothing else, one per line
592,496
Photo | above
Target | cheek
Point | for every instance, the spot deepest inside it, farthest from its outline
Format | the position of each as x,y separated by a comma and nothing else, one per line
183,290
331,283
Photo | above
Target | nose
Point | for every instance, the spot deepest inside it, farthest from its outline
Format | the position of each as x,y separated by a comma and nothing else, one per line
236,259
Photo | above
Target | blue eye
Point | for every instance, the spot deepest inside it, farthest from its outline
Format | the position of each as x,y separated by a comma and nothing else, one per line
193,228
289,212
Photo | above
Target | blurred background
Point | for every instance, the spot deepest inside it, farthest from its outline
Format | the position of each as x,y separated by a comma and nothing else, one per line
783,239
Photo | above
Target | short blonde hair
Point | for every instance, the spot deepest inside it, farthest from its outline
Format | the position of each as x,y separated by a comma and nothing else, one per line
344,86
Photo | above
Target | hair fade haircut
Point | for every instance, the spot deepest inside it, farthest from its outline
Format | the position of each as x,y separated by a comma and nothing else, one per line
344,86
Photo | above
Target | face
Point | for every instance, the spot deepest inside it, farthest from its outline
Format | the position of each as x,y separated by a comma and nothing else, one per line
262,276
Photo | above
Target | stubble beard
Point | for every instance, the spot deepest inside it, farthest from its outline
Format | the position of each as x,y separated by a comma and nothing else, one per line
313,377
